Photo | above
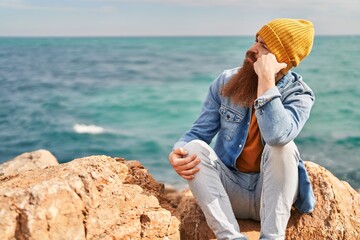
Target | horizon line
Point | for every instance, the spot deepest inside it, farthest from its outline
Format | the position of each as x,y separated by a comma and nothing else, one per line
154,36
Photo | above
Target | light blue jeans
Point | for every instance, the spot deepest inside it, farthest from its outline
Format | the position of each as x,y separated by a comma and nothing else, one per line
225,195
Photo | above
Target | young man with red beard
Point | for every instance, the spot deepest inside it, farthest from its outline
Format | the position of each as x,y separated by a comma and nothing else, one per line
254,170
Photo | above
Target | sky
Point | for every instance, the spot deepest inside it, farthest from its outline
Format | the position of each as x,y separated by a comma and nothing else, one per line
170,17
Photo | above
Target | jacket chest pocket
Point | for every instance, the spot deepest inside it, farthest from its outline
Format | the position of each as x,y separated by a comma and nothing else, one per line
230,121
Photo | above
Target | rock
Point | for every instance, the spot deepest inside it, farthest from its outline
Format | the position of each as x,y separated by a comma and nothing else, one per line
28,161
336,215
337,211
138,175
87,198
100,197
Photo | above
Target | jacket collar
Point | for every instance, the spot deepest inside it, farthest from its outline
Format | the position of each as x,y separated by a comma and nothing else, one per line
285,80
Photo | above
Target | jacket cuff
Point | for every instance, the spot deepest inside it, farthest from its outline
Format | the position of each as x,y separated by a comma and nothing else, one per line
268,96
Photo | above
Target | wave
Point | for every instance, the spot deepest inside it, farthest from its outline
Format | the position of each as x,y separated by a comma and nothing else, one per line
88,129
350,141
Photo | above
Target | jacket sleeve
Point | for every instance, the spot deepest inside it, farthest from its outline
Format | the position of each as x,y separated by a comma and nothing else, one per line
208,123
281,118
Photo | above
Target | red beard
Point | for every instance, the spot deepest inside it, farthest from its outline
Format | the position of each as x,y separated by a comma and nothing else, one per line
242,87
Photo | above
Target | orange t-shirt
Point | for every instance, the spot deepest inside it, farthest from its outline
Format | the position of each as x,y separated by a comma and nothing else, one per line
250,158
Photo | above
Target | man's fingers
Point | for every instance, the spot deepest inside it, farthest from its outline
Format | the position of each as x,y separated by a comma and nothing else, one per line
186,163
190,177
177,154
283,65
188,173
190,165
180,151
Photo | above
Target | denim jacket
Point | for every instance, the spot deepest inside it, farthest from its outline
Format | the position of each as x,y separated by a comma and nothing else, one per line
281,114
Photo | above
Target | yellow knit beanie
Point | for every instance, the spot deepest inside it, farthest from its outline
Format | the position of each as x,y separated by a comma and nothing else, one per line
290,40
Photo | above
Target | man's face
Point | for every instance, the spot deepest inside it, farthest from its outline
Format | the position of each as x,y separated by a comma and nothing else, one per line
258,49
242,88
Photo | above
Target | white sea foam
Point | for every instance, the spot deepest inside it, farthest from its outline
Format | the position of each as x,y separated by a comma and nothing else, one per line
89,129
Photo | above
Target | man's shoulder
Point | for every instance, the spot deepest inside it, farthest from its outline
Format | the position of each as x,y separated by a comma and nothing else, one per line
299,80
230,72
294,82
226,75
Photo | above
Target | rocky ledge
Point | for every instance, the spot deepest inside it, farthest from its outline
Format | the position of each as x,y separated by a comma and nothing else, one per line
100,197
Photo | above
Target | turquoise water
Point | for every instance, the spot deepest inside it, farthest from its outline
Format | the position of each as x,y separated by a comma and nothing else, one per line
134,97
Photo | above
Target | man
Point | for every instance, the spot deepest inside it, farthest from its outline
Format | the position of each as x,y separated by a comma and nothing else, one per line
254,170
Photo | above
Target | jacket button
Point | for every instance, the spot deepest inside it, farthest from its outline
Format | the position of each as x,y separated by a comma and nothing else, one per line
240,146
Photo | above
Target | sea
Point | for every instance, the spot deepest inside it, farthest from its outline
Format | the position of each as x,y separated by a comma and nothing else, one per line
133,97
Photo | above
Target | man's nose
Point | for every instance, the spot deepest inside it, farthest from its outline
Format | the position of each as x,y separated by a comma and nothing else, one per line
254,48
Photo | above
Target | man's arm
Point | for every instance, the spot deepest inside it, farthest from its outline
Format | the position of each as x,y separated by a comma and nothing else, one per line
267,67
279,122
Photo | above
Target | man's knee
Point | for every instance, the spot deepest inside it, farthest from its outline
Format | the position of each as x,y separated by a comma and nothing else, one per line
195,146
285,153
287,148
201,149
280,164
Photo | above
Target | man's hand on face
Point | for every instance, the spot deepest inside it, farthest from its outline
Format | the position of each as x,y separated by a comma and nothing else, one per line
183,164
266,67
